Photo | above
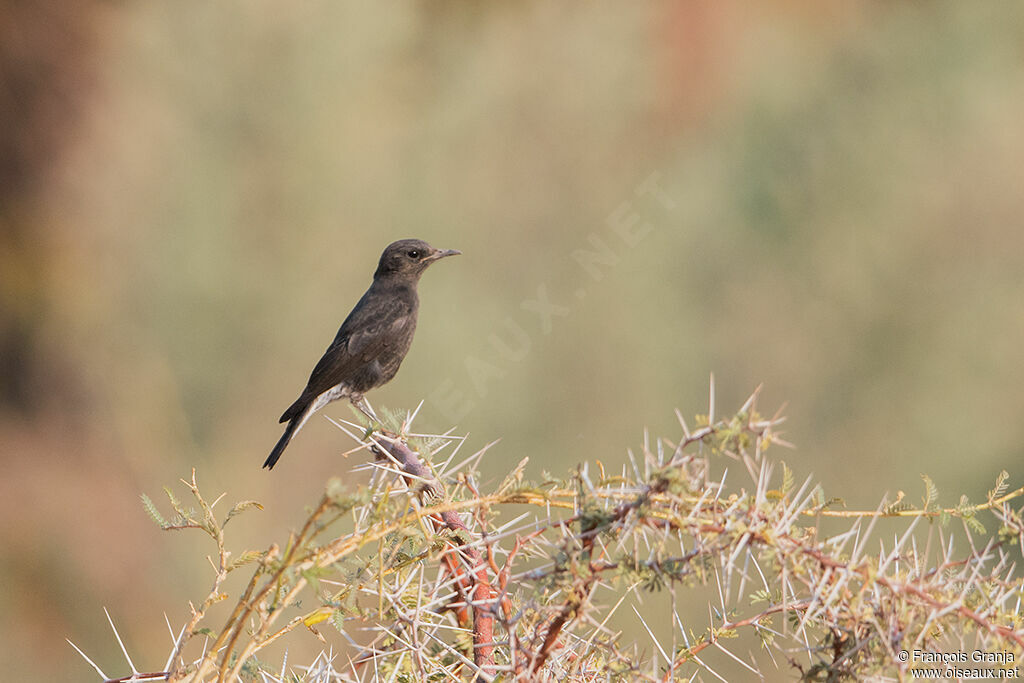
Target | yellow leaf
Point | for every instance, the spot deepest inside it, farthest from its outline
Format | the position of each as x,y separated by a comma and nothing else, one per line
322,614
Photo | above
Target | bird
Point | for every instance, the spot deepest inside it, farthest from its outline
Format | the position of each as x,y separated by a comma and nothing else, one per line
372,341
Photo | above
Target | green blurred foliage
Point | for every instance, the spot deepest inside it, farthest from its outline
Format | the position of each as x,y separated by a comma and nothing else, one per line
845,227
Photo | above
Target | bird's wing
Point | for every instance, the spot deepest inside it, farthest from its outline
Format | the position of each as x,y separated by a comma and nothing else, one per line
367,342
365,334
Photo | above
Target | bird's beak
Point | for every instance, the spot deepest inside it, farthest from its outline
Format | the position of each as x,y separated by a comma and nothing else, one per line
441,253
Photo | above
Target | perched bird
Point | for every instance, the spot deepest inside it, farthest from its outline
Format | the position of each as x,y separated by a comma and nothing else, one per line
372,341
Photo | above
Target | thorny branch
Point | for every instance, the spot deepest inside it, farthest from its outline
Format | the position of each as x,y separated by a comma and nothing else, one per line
463,561
523,572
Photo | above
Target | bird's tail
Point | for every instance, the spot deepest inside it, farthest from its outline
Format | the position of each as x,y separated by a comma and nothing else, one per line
296,416
282,443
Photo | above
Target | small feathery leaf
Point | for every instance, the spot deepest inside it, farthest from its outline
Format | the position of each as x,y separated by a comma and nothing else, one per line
931,493
175,503
242,507
244,558
975,524
152,511
787,478
1000,487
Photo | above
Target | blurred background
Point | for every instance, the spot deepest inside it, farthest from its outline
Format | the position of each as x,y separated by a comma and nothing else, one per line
826,199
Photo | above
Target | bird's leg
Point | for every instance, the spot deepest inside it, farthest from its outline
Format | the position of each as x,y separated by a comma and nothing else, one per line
360,402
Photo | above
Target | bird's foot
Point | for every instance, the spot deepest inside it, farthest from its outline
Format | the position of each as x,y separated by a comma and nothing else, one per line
360,402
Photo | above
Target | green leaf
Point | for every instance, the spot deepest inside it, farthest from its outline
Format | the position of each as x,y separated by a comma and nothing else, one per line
1000,487
153,513
242,507
931,493
787,479
245,558
175,503
974,524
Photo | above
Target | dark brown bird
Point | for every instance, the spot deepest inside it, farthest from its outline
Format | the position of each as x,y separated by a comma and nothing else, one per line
372,341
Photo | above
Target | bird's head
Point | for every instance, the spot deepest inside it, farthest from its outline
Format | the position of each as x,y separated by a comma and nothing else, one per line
409,258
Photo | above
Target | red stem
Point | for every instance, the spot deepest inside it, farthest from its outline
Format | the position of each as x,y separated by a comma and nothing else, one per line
480,594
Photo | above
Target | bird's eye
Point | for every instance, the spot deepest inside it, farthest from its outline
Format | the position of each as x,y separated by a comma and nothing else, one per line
413,253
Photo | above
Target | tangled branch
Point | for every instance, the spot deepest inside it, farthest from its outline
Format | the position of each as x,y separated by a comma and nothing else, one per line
525,581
